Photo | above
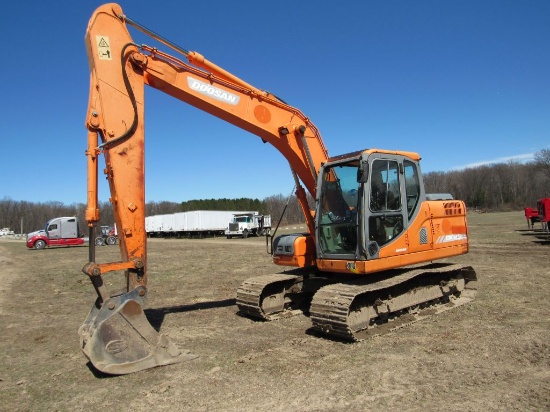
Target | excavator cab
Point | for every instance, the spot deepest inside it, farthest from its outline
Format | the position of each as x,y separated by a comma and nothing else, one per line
366,201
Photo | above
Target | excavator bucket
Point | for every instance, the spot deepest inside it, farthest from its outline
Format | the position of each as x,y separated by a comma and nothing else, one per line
118,339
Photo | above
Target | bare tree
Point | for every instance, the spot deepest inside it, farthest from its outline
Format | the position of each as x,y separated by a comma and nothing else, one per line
542,159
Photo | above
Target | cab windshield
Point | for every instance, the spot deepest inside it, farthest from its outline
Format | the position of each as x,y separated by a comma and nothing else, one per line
339,204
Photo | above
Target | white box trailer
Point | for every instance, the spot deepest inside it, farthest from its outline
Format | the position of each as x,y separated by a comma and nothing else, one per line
180,221
157,225
196,223
150,224
213,220
168,223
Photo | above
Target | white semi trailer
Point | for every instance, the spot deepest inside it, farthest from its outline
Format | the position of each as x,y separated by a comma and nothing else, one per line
196,223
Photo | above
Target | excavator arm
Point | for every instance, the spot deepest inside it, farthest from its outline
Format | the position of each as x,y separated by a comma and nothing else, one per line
116,336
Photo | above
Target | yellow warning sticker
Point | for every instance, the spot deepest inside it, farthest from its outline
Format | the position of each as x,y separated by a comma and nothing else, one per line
103,47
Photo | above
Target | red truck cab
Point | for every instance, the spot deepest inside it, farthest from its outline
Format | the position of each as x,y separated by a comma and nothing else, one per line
60,231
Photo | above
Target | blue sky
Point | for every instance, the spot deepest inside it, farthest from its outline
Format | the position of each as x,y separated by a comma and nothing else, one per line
461,82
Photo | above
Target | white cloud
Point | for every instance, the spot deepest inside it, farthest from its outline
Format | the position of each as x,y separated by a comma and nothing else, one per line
527,157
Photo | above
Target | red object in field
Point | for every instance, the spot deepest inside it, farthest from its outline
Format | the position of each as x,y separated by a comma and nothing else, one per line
543,209
532,216
531,213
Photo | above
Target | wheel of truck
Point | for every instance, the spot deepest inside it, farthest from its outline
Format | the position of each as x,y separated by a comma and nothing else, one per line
229,237
99,241
39,244
111,240
245,234
260,232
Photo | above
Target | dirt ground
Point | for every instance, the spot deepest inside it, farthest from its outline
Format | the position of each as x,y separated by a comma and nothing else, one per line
490,355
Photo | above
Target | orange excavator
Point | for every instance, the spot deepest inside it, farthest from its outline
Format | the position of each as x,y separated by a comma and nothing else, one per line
369,251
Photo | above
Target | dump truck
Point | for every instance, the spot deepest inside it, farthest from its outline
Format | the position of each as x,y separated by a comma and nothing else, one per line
248,224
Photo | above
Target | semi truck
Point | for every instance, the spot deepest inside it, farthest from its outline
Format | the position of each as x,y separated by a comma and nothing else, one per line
59,231
248,224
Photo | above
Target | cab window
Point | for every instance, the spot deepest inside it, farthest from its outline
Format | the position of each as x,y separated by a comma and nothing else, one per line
385,193
339,203
386,220
412,187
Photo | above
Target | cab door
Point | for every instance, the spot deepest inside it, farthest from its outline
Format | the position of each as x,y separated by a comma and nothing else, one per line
385,202
337,215
54,230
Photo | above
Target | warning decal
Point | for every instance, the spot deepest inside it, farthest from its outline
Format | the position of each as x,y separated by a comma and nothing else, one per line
103,47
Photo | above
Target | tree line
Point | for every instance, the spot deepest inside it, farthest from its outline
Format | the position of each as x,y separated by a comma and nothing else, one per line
25,217
502,186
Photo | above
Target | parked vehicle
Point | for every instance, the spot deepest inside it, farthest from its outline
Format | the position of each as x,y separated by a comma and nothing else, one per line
60,231
248,224
6,232
108,236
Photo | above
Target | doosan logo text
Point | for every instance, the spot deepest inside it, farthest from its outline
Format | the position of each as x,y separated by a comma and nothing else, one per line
214,92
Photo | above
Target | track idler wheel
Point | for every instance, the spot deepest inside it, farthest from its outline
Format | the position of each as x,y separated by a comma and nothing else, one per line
118,339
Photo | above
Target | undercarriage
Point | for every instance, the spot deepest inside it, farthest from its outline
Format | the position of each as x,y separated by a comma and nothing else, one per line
351,308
